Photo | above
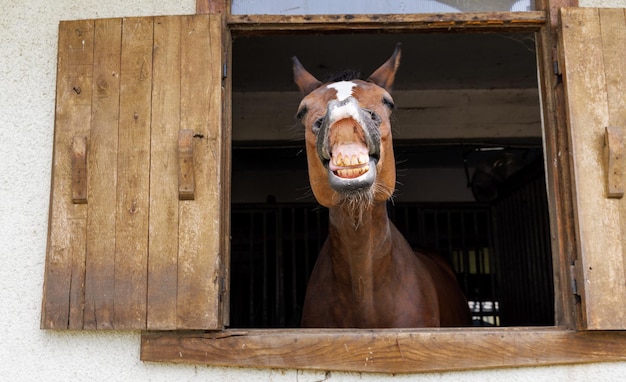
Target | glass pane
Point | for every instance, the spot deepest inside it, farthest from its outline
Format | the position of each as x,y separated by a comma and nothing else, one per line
313,7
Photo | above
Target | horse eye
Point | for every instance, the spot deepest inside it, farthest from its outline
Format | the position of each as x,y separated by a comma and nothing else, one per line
301,113
389,103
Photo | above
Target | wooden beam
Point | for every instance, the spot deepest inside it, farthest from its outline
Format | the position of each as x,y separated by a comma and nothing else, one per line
558,172
528,21
212,6
419,114
390,351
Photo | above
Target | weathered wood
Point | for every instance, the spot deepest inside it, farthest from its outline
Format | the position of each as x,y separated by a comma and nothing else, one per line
102,164
558,172
390,351
614,143
199,257
114,262
79,169
591,67
131,252
186,183
614,50
226,176
164,216
212,6
62,305
510,21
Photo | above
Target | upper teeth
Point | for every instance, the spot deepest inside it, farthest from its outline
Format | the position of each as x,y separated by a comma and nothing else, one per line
350,160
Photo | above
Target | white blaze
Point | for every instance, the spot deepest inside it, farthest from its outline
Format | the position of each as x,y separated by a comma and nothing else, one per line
344,89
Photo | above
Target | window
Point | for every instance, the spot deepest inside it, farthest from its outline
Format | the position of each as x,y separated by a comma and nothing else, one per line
127,265
452,116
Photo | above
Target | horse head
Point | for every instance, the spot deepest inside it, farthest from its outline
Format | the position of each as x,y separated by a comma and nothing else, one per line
348,135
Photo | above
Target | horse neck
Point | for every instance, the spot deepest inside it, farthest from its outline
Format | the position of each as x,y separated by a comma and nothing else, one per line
358,247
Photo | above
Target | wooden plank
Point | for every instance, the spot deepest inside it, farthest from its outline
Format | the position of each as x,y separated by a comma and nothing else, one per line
65,255
212,6
79,169
226,178
614,146
166,114
614,43
613,27
102,164
186,183
199,262
586,73
511,21
388,351
131,250
558,169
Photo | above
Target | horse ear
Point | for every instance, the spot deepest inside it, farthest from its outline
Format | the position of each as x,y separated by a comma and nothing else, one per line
305,80
385,75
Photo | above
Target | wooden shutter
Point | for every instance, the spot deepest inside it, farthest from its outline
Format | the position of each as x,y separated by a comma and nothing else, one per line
130,245
593,63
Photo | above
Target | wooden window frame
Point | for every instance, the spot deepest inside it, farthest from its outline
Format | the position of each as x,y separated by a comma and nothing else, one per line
423,350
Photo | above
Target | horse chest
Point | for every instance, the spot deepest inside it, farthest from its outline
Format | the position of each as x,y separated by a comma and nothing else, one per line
396,293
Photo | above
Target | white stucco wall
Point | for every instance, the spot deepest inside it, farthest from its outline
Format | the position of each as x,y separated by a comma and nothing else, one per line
28,47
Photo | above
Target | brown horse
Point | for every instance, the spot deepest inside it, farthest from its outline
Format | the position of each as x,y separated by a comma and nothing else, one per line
367,275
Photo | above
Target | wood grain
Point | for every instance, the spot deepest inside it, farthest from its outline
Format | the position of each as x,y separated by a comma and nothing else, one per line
199,256
102,175
131,274
212,6
614,146
511,21
79,169
390,351
135,256
226,176
164,216
589,64
558,169
186,183
63,298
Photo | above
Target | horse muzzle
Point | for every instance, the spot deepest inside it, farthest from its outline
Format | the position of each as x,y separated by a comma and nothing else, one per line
348,144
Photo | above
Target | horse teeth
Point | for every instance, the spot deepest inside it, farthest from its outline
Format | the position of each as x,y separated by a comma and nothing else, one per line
352,172
354,160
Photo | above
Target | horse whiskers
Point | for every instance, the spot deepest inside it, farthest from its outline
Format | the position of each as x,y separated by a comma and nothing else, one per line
358,203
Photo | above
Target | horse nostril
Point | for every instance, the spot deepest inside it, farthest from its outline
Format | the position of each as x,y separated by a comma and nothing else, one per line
317,125
374,117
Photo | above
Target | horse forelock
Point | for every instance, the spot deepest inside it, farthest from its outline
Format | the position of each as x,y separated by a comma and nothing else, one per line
344,75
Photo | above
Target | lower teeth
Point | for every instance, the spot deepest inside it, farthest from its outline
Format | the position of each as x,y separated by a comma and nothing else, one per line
352,173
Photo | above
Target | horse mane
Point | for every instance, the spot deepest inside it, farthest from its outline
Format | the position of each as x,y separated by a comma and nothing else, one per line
344,75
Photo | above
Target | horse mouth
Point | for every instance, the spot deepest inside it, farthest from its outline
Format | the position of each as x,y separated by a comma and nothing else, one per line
349,160
353,179
348,144
351,168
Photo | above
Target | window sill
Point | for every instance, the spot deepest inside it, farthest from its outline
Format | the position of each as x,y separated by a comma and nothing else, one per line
388,350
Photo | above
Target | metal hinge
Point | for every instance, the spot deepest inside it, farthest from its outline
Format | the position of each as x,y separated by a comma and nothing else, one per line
555,68
574,280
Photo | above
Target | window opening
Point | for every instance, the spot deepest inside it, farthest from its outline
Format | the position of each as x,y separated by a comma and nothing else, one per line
467,140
